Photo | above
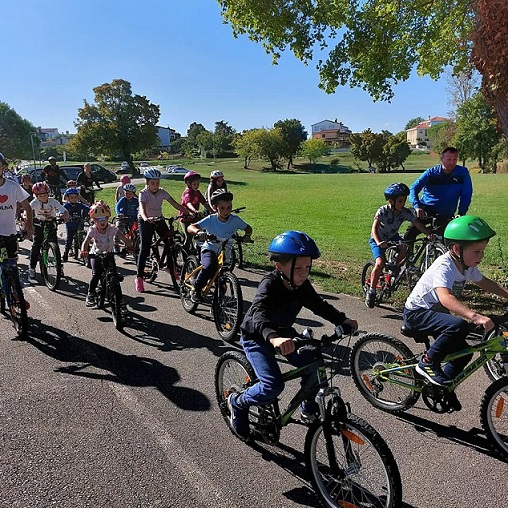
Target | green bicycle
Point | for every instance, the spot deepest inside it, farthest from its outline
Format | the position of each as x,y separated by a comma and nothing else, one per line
349,463
383,369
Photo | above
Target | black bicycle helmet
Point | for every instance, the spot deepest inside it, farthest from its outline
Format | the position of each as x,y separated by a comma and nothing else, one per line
394,190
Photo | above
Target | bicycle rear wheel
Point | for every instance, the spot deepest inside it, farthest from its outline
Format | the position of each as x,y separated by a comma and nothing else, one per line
50,266
227,305
494,416
187,283
115,300
153,262
14,302
355,469
382,289
371,357
432,252
233,374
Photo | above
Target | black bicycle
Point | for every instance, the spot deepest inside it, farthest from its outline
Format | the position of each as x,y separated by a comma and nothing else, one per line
78,239
109,289
168,253
348,462
50,262
12,300
236,255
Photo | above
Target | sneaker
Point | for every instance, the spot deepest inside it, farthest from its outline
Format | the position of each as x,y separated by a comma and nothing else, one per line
65,257
140,285
370,298
309,412
90,300
195,296
454,402
31,275
432,373
238,418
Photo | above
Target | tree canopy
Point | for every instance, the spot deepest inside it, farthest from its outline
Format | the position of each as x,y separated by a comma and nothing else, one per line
119,123
414,122
376,44
15,140
293,133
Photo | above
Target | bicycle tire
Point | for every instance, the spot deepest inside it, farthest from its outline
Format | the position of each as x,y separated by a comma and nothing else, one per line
78,241
191,263
494,368
154,266
101,292
227,305
432,252
233,374
239,254
381,291
51,266
375,352
494,416
368,474
115,300
16,305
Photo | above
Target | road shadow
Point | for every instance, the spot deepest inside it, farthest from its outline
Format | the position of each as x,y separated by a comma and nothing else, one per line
93,361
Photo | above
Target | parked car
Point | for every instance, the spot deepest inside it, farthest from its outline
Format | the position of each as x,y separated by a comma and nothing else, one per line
144,165
176,169
103,174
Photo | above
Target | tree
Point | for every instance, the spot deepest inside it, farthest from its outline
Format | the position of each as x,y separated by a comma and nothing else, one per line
395,151
441,136
462,84
118,122
293,133
269,143
367,146
246,146
314,149
414,122
15,139
204,141
222,138
477,135
376,44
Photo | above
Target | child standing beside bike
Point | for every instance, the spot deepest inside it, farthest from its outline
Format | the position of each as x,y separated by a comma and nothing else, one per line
216,182
222,224
269,322
77,214
385,229
429,306
45,211
150,210
101,236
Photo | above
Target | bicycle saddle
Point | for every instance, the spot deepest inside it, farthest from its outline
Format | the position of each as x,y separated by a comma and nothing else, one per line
414,334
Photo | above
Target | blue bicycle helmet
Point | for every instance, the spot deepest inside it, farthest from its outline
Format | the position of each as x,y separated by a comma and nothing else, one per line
394,190
152,174
71,190
294,243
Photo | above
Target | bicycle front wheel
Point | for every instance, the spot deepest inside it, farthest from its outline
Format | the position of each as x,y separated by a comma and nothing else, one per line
227,306
233,374
371,361
494,416
115,300
495,367
355,469
15,303
51,266
187,282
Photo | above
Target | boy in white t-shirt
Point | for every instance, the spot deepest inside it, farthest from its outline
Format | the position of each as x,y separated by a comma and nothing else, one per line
429,306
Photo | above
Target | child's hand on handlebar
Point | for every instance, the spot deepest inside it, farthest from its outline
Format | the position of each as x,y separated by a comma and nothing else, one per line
350,326
283,344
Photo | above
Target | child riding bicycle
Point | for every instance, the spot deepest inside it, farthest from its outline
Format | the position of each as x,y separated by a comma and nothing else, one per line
216,182
77,214
222,224
45,210
101,236
385,229
269,322
429,306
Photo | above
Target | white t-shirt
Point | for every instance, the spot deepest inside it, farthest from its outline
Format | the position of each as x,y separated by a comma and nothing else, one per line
443,273
46,211
11,194
102,242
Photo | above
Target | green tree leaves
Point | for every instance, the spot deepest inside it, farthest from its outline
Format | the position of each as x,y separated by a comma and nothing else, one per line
15,141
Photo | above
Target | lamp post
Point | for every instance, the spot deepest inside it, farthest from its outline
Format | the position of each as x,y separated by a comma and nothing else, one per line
32,134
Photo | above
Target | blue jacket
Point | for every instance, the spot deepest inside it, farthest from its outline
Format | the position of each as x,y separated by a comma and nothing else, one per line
128,208
441,193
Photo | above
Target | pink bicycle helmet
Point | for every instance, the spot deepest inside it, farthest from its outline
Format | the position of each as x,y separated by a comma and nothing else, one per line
125,179
40,188
190,176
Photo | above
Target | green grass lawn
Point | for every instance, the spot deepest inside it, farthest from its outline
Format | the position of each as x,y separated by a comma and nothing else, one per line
337,210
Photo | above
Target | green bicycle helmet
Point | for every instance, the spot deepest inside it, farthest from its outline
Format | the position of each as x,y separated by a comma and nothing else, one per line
467,228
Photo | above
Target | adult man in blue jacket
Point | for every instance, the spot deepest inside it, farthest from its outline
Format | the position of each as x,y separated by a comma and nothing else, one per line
447,190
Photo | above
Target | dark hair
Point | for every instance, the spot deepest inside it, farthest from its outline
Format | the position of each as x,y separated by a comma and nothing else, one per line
449,149
281,258
3,162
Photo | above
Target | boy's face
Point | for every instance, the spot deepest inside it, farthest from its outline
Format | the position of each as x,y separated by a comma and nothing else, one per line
398,204
129,195
473,253
153,185
301,270
73,198
43,197
224,209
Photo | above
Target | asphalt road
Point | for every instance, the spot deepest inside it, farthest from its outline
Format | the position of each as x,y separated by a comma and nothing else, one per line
91,417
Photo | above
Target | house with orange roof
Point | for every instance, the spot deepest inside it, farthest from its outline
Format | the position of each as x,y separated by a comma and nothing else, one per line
417,135
332,133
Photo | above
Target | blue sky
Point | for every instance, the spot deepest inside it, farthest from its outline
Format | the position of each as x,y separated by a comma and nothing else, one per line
180,55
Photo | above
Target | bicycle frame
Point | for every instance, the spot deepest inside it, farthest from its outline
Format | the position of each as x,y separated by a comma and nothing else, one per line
488,349
210,283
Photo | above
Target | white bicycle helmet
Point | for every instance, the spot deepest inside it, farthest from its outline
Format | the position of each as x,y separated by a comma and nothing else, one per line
129,187
216,174
152,174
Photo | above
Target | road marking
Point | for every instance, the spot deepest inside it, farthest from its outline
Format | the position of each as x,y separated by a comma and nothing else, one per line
191,471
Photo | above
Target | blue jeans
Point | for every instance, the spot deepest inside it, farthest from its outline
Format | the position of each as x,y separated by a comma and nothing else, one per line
450,334
261,356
